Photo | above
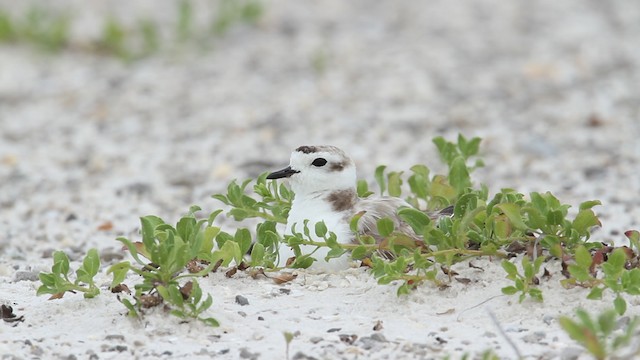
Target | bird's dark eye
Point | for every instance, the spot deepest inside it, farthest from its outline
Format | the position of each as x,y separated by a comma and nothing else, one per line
319,162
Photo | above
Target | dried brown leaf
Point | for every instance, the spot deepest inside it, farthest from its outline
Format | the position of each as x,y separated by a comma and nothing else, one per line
284,277
120,288
366,262
194,267
516,247
105,226
216,266
378,325
254,273
149,301
472,265
447,312
448,271
56,296
185,289
349,339
231,272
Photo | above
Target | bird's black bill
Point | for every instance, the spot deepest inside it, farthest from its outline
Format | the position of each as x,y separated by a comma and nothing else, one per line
286,172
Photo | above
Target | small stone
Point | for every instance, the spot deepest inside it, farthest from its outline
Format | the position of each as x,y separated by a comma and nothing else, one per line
246,354
260,318
378,337
25,275
534,338
367,343
300,356
571,353
548,319
241,300
334,330
117,337
108,256
316,339
242,313
622,323
119,348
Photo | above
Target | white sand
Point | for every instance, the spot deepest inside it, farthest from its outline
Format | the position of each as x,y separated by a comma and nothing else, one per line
85,140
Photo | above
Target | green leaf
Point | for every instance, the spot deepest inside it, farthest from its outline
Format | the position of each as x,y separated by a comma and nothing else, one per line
132,310
47,279
509,290
359,253
595,293
60,263
379,176
91,262
395,183
419,181
243,238
385,227
510,268
620,305
257,254
607,322
353,224
589,204
536,294
335,253
417,219
583,257
149,224
119,271
185,227
465,203
321,229
580,273
363,189
228,252
221,198
459,175
519,284
615,263
585,220
527,268
513,213
555,217
573,329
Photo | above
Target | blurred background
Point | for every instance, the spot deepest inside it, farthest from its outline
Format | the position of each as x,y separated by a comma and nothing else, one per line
112,110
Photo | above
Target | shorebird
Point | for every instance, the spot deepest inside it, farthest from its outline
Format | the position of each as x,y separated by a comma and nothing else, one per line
323,179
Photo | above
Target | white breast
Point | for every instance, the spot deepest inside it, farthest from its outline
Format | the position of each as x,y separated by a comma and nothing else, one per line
316,210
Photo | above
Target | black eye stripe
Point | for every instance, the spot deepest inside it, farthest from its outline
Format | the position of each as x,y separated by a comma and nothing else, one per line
319,162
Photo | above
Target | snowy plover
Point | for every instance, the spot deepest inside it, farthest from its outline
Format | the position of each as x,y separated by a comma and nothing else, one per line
323,179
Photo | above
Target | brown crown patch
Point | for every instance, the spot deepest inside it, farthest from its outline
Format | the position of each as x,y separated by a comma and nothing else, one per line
307,149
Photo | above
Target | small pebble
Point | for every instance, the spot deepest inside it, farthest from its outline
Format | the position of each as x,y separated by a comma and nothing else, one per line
242,300
246,354
378,337
24,275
